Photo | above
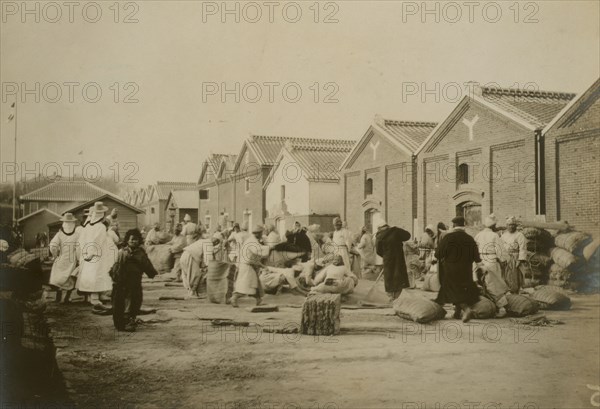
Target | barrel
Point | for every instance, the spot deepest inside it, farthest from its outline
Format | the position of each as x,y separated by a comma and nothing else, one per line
216,281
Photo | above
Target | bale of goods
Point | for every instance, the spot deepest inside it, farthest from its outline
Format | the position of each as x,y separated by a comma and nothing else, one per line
216,281
418,309
520,306
591,250
160,257
562,257
573,242
484,308
558,276
538,239
551,298
415,267
321,314
540,264
431,282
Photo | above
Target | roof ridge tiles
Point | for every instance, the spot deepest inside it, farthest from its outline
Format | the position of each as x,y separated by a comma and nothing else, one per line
528,93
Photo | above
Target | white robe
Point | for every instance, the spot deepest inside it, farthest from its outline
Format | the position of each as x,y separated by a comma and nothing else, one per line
189,231
65,252
250,253
95,242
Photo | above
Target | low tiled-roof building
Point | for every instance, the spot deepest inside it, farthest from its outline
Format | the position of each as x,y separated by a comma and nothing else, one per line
127,214
572,163
486,157
60,196
35,223
216,184
379,175
303,185
153,198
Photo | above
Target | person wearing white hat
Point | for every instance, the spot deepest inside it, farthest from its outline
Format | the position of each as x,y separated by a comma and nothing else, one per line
390,246
251,254
515,245
491,251
188,229
98,253
342,239
366,249
193,259
63,248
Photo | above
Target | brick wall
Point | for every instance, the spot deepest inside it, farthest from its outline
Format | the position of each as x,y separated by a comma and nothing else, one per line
501,157
400,195
572,153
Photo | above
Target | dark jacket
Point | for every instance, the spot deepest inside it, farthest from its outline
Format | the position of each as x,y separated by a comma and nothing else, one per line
130,266
456,253
390,246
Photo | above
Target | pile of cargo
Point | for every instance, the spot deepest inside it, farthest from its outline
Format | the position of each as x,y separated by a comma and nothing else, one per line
563,258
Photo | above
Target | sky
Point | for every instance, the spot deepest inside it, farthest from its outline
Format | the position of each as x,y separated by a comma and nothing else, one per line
167,73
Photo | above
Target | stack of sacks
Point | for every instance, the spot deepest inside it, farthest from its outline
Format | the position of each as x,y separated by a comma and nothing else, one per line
571,269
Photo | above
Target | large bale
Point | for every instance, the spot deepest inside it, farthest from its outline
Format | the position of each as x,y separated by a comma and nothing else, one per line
573,242
551,298
417,308
520,306
216,281
562,257
431,282
321,314
538,240
160,256
484,308
558,276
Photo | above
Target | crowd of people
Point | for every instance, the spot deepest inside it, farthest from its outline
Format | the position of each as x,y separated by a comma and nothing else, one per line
91,257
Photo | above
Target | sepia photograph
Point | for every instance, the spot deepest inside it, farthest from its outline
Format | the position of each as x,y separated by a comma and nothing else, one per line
310,204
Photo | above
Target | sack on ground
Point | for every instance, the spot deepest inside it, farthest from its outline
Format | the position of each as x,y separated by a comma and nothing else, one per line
520,306
160,256
551,298
431,282
484,308
417,308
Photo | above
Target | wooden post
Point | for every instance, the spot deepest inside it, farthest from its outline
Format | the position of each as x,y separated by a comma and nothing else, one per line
321,314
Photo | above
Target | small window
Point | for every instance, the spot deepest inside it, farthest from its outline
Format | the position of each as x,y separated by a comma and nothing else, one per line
247,184
283,193
368,187
152,210
462,174
204,194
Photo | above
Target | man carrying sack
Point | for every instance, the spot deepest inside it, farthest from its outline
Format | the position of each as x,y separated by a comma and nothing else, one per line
246,281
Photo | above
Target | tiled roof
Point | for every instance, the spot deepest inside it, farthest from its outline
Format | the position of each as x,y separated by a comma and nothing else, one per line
103,199
267,148
42,210
186,199
537,108
576,108
320,162
410,134
164,188
64,191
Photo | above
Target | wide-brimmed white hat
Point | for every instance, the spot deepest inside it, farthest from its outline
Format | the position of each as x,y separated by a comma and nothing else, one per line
68,217
490,220
98,208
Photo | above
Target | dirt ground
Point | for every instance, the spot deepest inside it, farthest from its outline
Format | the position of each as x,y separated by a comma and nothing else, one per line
178,359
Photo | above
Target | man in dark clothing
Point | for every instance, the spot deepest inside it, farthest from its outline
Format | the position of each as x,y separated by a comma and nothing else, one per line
301,240
456,253
389,244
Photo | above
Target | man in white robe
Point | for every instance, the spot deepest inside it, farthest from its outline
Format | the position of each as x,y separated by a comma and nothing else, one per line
98,253
515,245
189,229
342,239
194,261
63,248
251,254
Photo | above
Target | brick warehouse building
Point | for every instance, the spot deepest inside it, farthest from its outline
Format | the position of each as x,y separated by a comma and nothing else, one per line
379,174
572,163
487,156
304,184
216,185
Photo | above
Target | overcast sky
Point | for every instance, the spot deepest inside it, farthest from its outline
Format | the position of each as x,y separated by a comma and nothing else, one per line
376,59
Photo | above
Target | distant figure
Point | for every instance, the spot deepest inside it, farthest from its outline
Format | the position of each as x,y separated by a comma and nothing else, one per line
188,229
342,239
152,237
41,240
456,254
193,259
515,244
390,246
366,250
272,237
218,234
112,217
63,248
176,246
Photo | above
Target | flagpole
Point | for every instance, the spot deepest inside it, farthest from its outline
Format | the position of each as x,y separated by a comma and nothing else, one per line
15,172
